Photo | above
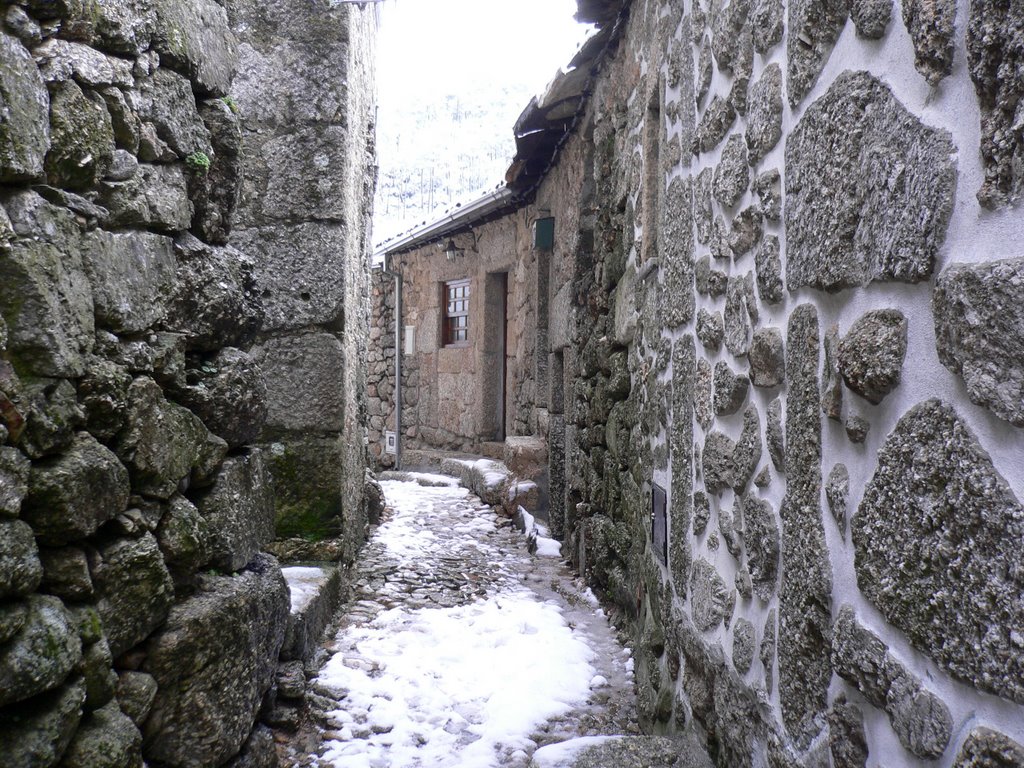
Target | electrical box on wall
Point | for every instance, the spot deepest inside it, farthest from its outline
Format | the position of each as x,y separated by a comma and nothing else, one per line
410,339
544,234
390,443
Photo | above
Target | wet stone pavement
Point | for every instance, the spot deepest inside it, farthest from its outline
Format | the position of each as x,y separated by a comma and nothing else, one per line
459,649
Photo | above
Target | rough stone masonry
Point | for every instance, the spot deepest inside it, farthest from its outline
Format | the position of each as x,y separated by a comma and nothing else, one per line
161,347
786,288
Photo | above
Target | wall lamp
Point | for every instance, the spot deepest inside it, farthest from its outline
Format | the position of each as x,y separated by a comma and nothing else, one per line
450,250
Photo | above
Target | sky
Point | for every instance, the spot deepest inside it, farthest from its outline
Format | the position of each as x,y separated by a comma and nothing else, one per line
453,76
437,45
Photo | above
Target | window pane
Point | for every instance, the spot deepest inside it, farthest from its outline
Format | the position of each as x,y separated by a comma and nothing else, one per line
455,323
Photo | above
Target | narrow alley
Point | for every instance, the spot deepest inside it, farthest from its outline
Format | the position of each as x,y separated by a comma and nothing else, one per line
460,648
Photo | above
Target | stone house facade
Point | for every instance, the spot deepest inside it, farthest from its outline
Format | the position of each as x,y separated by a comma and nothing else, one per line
164,354
776,354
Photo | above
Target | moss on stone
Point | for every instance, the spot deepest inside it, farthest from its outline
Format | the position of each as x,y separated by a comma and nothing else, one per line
306,507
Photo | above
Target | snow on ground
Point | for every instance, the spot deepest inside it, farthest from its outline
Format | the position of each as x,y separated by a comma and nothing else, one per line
465,685
458,686
303,583
405,534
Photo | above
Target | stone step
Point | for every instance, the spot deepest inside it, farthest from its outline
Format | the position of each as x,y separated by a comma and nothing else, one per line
316,594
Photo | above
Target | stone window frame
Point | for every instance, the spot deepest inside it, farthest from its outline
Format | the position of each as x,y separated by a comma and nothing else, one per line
455,296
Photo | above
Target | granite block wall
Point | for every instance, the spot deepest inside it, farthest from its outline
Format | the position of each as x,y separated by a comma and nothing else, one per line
140,619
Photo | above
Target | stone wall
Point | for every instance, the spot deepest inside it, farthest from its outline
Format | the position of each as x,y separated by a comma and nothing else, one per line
800,318
304,90
139,620
786,290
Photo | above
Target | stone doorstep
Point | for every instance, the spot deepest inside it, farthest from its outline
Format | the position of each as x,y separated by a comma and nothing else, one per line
308,622
489,481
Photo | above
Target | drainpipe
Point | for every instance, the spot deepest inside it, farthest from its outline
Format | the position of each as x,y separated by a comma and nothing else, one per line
398,365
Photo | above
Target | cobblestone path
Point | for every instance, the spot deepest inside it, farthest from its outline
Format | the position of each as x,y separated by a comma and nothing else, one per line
459,649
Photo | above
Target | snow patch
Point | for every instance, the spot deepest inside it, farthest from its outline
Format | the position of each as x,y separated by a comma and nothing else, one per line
304,583
548,547
462,686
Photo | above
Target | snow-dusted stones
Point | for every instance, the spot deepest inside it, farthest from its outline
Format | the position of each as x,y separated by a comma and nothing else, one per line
623,752
805,597
870,355
921,720
995,53
979,332
937,539
931,24
864,205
